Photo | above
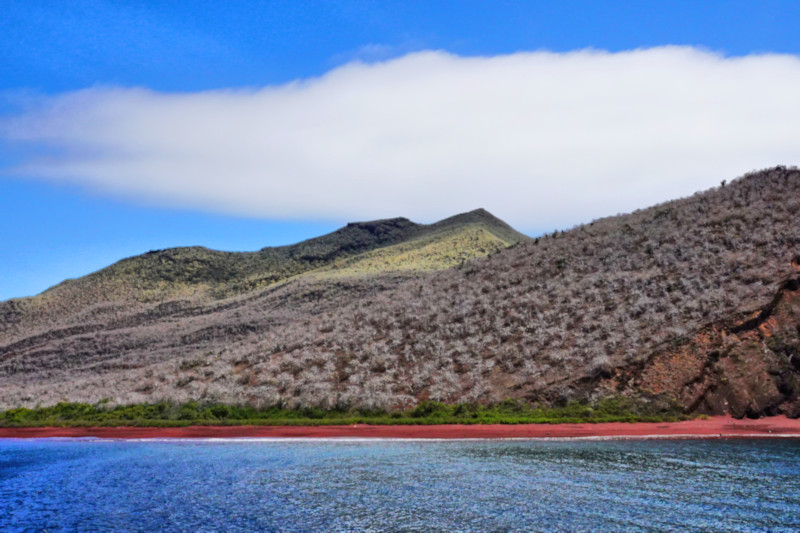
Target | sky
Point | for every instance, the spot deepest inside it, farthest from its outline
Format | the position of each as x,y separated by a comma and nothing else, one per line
131,126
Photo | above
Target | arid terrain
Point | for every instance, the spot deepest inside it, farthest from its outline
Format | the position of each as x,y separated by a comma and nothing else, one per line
695,301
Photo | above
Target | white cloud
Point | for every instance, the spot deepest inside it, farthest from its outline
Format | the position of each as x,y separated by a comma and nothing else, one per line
540,139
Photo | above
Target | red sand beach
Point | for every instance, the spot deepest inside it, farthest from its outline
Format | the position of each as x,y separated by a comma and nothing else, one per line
720,426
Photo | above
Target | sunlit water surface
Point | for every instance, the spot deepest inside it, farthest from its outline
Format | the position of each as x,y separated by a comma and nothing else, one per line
703,485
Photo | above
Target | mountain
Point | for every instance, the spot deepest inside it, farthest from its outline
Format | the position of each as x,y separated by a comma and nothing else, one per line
198,274
58,330
692,302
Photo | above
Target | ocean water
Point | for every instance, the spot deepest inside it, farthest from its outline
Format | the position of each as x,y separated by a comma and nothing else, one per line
262,485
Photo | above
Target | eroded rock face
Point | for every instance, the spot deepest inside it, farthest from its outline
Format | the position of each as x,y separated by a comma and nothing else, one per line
750,368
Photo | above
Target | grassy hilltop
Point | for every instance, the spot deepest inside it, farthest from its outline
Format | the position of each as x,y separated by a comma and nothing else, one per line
200,275
200,272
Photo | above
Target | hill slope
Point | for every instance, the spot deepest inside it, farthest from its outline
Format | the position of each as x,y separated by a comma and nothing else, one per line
63,330
692,301
197,274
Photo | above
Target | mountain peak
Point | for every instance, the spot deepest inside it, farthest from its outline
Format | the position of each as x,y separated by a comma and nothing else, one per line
383,226
484,218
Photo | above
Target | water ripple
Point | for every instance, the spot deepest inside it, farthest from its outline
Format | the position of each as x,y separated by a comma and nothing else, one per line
681,485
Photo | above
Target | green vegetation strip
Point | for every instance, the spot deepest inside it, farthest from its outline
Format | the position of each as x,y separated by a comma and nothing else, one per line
194,413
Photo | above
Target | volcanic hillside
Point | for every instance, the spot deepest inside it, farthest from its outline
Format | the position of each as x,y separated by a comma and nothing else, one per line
694,301
129,314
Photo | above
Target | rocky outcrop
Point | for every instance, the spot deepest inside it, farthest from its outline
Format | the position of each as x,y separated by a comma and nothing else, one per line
749,367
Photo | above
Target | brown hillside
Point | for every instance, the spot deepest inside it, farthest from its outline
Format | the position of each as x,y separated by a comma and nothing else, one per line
748,368
654,304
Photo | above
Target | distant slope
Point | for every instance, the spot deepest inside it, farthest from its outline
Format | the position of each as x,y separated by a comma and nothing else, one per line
200,275
692,301
439,246
190,273
197,271
483,219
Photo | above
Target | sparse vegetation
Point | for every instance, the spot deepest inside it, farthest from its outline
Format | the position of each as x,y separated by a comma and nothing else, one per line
570,317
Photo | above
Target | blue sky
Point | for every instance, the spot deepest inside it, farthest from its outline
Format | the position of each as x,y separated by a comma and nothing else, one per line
58,224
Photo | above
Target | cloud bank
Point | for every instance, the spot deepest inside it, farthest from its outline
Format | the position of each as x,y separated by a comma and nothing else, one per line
541,139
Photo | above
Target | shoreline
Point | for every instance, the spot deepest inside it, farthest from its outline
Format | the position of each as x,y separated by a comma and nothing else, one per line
715,427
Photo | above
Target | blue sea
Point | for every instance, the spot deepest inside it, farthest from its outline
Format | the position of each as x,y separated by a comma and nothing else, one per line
390,485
